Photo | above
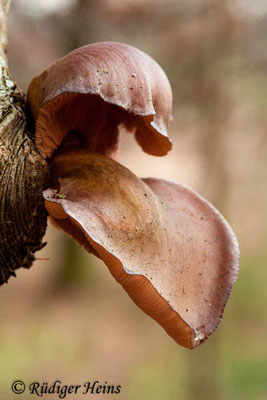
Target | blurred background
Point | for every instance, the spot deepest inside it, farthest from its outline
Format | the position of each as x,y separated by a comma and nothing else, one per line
66,318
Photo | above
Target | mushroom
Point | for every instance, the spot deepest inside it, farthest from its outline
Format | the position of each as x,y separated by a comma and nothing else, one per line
170,249
94,89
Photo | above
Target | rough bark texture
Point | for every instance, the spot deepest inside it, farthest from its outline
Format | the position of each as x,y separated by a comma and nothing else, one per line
23,174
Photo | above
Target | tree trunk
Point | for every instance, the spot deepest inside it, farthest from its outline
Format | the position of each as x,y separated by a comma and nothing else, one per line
23,174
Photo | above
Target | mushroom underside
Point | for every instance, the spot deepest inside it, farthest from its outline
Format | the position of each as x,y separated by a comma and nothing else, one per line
87,121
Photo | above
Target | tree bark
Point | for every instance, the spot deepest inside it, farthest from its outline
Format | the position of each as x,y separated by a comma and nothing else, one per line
23,173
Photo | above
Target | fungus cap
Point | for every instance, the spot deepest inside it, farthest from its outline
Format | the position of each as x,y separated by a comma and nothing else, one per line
170,249
94,89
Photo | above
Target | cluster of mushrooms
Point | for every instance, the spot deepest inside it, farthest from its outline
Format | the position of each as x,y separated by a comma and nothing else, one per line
171,250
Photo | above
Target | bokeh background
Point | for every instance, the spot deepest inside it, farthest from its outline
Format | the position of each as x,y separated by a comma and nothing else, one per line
66,318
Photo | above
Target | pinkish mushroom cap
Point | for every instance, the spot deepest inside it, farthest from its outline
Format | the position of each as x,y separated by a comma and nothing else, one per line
94,89
170,249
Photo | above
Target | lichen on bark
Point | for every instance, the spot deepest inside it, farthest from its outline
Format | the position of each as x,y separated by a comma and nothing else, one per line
23,174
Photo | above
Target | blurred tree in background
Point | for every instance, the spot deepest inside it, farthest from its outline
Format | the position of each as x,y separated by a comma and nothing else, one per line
214,53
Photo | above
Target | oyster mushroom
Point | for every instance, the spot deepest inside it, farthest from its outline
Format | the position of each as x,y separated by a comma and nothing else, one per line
170,249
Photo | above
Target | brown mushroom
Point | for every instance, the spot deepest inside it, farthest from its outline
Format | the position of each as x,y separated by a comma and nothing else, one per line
172,252
95,88
169,248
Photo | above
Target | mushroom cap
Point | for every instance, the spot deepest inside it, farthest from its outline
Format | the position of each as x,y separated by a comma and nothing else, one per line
170,249
125,86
